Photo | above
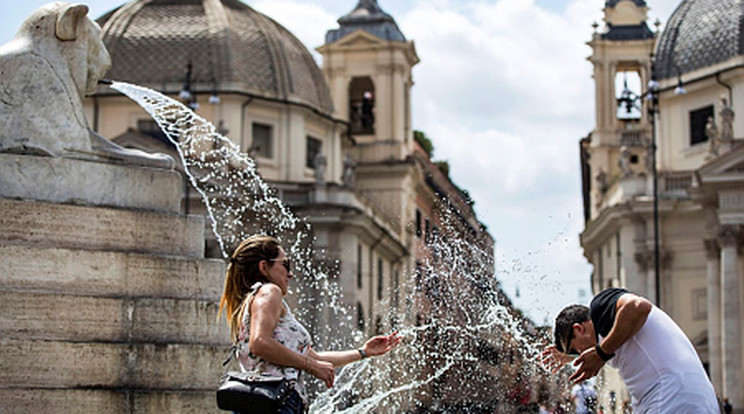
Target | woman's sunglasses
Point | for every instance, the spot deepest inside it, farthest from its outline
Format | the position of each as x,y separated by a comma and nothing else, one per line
284,261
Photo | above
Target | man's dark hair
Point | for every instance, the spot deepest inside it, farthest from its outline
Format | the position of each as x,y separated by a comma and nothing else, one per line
564,322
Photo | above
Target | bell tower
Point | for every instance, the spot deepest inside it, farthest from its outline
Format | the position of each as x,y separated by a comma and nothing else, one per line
368,64
621,56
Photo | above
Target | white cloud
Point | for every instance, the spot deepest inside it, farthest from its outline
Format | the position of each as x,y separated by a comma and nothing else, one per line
505,92
308,22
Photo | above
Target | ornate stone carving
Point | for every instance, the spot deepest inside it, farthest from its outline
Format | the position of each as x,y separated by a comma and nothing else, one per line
729,236
712,251
726,116
349,174
320,162
602,183
645,260
624,162
55,59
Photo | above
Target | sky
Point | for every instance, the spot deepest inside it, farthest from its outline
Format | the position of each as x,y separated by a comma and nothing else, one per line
505,92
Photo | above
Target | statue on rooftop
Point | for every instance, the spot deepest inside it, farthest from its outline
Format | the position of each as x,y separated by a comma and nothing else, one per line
726,116
624,162
711,132
319,162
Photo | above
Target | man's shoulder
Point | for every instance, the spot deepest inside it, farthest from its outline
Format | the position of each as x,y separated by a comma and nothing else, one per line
602,309
609,294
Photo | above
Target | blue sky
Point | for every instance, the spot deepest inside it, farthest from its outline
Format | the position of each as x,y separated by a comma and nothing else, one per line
505,92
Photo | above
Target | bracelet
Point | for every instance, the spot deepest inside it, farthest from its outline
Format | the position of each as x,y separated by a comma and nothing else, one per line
362,353
602,354
307,363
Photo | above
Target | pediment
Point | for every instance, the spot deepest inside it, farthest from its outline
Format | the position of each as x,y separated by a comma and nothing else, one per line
731,162
359,38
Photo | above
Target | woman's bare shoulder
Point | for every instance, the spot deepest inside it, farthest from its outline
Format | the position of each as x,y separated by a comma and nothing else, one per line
270,290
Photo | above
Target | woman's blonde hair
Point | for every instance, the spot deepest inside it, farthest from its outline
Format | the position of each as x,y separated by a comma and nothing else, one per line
242,274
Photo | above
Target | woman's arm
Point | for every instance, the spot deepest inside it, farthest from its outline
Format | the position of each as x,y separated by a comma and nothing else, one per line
376,346
266,309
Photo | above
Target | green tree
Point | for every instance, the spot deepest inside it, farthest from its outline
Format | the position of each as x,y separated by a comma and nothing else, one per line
424,141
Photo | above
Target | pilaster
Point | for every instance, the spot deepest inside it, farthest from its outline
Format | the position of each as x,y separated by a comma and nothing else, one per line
729,239
713,265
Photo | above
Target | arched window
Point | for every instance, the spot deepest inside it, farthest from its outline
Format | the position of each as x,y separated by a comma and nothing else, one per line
362,105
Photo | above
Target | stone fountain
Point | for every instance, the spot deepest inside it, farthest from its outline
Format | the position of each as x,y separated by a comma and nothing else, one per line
107,302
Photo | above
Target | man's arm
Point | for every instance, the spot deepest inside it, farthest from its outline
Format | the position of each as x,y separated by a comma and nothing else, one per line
631,312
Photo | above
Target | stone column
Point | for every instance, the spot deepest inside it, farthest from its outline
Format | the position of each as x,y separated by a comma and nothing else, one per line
731,335
713,255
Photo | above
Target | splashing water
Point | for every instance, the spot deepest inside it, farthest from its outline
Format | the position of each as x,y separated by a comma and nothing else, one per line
465,348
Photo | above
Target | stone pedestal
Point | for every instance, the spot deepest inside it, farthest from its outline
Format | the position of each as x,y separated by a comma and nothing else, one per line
70,181
106,301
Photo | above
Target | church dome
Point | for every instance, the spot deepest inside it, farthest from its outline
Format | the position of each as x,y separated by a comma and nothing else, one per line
232,48
700,33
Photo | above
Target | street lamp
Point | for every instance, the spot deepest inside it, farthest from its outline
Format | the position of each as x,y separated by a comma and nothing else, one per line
186,95
652,99
629,100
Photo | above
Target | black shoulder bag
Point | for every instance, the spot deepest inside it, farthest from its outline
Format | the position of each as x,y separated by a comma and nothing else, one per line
251,392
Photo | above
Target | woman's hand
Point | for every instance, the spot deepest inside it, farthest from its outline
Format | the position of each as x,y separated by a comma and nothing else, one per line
554,360
381,344
321,370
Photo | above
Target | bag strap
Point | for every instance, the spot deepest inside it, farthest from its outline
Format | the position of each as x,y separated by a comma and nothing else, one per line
233,352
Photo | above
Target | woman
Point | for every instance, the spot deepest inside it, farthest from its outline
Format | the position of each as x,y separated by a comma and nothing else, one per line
268,337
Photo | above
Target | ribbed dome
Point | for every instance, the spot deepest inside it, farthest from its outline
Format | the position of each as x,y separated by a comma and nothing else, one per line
230,44
700,33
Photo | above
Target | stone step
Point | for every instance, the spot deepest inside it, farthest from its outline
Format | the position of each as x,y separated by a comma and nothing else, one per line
99,228
117,274
95,319
155,367
69,181
74,401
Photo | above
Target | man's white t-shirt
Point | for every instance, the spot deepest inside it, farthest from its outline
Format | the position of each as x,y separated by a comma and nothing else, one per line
658,364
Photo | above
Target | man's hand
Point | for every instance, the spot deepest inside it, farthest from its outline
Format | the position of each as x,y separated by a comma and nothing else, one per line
589,364
553,359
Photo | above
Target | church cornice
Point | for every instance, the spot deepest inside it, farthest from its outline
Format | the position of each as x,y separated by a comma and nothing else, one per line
611,218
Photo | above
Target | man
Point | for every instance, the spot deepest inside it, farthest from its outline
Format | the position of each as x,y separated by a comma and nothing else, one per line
653,356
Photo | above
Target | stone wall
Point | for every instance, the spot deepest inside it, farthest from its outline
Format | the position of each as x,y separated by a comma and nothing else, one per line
106,301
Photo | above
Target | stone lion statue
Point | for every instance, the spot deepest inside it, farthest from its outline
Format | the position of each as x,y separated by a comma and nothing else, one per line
54,61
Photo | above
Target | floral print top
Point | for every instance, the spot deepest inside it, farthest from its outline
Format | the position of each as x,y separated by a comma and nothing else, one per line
288,332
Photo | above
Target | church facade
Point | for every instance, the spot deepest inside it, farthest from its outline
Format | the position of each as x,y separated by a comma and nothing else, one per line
661,175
